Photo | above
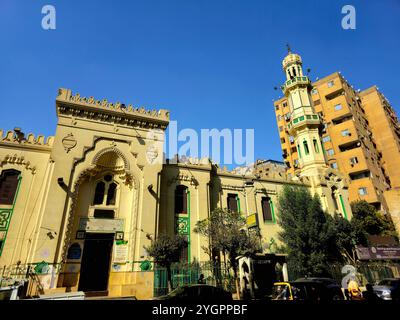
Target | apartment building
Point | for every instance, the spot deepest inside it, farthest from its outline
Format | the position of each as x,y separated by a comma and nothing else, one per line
360,137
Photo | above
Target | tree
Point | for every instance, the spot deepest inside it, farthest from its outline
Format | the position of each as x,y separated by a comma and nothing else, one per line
346,237
306,231
228,234
166,250
367,219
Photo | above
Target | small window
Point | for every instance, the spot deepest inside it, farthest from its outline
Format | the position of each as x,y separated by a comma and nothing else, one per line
184,254
316,145
284,104
291,139
330,84
334,165
353,160
362,191
266,209
330,152
276,108
111,193
105,192
181,200
326,139
232,201
8,186
317,102
299,151
283,140
99,193
314,91
338,107
280,129
104,214
279,118
306,150
346,133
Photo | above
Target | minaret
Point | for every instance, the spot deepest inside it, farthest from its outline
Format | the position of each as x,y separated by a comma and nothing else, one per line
304,121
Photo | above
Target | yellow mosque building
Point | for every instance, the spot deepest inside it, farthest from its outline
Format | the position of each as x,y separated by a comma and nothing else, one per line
86,201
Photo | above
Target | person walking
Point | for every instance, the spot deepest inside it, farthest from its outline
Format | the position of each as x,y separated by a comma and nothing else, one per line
354,290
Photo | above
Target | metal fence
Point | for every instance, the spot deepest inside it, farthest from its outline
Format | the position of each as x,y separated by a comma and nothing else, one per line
214,274
27,275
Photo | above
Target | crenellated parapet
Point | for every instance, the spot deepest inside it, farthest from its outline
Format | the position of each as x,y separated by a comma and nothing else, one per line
12,137
105,111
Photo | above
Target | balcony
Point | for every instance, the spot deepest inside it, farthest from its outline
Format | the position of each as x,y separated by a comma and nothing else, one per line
295,81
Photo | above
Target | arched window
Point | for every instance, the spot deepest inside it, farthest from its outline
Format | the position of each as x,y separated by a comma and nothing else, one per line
99,193
8,186
105,192
299,151
315,145
306,150
181,205
233,202
266,209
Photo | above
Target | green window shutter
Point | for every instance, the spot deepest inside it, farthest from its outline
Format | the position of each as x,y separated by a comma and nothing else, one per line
344,209
7,223
271,204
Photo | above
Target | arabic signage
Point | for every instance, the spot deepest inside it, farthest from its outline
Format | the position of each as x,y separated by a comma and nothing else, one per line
90,224
378,253
120,253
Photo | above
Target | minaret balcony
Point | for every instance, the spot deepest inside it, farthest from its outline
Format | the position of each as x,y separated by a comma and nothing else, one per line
311,120
294,82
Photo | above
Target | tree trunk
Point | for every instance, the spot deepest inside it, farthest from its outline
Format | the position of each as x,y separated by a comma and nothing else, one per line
169,280
236,281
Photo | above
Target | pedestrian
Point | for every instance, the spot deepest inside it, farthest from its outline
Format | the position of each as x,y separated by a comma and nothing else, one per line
354,290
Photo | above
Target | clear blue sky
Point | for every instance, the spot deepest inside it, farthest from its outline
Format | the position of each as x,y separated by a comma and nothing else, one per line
213,64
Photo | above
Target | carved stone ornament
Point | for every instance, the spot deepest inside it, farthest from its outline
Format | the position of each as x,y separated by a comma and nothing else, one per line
69,142
151,154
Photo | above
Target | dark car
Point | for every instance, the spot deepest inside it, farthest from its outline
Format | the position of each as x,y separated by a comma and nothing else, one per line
310,289
197,293
334,290
388,289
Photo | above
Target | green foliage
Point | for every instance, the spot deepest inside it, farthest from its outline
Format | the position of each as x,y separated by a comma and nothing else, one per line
228,234
166,249
306,231
368,220
345,237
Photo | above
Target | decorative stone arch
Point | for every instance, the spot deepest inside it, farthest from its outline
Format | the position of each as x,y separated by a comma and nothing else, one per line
111,150
96,166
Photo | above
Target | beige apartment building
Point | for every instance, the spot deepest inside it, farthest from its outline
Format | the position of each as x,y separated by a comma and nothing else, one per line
81,207
360,135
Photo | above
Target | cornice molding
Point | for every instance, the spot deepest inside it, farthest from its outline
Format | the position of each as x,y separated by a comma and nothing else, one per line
104,111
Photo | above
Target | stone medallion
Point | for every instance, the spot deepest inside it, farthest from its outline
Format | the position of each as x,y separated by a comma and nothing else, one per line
69,142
